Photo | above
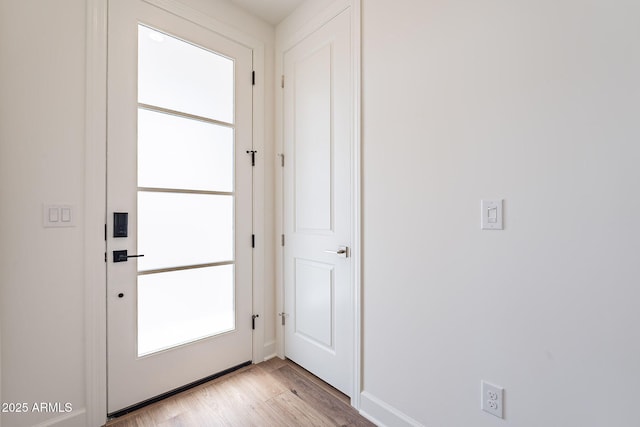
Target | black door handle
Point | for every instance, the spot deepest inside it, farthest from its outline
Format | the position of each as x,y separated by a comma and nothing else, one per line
122,256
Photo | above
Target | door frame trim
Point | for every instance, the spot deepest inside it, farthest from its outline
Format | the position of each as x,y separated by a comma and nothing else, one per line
95,195
289,33
95,277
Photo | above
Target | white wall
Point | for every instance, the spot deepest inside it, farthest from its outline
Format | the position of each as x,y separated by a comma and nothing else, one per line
42,125
536,102
41,161
296,21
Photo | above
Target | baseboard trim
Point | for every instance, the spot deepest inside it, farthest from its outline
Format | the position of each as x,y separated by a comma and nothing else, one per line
269,350
382,414
77,418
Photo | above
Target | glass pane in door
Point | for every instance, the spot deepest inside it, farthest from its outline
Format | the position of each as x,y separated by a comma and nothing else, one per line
183,153
183,306
176,229
186,200
180,76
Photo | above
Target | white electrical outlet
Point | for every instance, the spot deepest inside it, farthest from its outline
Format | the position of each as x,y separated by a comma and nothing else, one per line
492,399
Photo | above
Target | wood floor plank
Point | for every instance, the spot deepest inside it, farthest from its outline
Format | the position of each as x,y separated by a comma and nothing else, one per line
259,386
298,413
272,364
276,393
327,387
320,399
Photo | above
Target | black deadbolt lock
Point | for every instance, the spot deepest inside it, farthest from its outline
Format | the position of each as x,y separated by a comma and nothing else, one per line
120,224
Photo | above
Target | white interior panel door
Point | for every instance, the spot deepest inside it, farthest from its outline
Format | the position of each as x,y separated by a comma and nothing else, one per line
179,127
318,139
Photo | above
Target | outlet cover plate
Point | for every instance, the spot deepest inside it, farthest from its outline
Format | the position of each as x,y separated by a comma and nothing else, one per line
492,398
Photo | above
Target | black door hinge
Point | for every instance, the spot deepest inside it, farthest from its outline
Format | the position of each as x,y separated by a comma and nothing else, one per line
105,232
253,240
253,156
253,78
282,240
253,321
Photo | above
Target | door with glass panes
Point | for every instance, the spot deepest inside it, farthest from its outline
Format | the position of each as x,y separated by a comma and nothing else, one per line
179,203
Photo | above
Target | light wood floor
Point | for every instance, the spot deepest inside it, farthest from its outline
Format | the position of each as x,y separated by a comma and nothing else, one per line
273,393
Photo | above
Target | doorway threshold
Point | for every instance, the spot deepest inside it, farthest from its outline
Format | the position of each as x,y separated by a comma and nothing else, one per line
173,392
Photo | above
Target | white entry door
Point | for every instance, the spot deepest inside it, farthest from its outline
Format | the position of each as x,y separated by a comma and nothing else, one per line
179,193
318,199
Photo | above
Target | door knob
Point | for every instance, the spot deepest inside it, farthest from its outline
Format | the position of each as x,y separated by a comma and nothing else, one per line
122,256
343,252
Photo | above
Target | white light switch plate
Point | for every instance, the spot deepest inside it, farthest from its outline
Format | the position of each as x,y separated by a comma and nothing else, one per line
58,216
491,214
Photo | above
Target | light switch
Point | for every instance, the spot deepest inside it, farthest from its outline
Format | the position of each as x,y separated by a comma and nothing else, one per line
58,216
54,214
65,214
491,214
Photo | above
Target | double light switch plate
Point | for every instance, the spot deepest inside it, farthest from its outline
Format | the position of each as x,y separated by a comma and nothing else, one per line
58,216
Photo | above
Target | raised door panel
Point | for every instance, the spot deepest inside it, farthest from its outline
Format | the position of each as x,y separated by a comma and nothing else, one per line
313,142
314,302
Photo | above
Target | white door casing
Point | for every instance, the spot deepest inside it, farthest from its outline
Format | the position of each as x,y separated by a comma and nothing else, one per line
318,135
132,379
